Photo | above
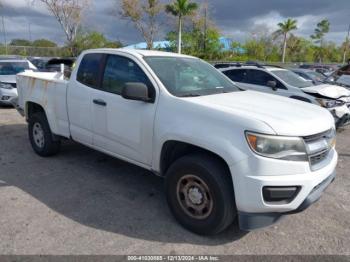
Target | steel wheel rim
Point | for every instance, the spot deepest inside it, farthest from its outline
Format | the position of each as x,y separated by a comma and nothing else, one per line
194,197
38,135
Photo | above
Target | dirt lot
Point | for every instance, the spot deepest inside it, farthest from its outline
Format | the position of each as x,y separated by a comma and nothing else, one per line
84,202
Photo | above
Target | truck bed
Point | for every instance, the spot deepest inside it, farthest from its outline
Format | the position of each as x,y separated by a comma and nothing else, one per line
47,90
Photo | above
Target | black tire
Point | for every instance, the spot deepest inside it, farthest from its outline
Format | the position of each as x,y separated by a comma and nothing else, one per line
215,175
49,146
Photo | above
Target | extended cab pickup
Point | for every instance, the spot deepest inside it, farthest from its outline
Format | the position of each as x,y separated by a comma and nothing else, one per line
226,154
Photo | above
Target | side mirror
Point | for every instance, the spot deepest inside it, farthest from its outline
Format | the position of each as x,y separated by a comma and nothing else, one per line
272,84
136,91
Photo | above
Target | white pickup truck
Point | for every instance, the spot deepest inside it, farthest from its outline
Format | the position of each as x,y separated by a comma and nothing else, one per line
226,154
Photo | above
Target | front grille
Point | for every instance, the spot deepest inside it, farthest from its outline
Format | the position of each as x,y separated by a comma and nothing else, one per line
319,136
14,85
318,158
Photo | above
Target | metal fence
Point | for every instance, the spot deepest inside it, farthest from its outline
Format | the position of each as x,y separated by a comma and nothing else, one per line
34,51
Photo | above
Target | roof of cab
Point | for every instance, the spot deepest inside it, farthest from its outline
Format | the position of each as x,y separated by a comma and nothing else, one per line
137,52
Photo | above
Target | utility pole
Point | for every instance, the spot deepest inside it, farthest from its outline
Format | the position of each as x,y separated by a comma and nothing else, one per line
30,48
29,32
4,32
205,26
346,45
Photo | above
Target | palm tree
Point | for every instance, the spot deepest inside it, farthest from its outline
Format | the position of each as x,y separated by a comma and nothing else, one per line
320,31
181,8
284,28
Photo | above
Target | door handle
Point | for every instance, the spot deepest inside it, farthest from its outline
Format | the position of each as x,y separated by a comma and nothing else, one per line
99,102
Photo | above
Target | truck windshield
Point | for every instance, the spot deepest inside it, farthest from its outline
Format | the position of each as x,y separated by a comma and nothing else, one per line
186,77
291,78
13,68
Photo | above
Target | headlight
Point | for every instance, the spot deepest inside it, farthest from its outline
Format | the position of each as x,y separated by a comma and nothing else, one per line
278,147
328,103
5,86
332,138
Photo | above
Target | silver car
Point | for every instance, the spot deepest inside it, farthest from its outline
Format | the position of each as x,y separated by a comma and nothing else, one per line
283,82
9,68
310,75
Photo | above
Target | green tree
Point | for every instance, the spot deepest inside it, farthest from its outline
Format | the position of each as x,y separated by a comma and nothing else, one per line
20,42
181,9
261,49
321,30
90,40
199,40
345,46
300,49
284,28
43,43
332,53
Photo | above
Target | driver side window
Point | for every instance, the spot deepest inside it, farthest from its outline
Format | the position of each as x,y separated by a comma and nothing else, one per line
120,70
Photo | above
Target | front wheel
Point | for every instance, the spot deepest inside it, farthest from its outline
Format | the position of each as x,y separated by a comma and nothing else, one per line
200,194
41,137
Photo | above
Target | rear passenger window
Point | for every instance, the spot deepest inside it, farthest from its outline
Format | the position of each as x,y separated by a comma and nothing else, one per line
89,70
121,70
236,75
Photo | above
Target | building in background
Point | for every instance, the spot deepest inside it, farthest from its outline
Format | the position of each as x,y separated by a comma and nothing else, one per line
226,45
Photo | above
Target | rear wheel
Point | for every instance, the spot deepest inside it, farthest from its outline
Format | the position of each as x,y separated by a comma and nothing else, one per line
41,137
200,194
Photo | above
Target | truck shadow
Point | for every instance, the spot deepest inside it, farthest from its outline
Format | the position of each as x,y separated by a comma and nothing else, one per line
96,190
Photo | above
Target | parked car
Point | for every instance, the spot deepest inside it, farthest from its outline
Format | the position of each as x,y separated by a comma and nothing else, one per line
50,64
325,70
10,57
340,77
226,154
9,67
283,82
309,75
40,62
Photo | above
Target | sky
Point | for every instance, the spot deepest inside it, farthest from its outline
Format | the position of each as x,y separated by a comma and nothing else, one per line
238,19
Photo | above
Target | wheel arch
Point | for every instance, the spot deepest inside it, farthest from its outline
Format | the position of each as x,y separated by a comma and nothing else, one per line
174,149
32,108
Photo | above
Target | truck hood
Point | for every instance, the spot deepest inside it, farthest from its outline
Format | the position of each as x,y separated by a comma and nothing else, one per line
331,91
11,79
285,116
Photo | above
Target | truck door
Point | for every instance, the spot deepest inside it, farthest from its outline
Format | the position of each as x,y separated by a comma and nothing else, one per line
123,127
79,97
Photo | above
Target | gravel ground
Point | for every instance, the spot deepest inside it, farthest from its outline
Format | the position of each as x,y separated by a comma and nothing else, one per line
84,202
